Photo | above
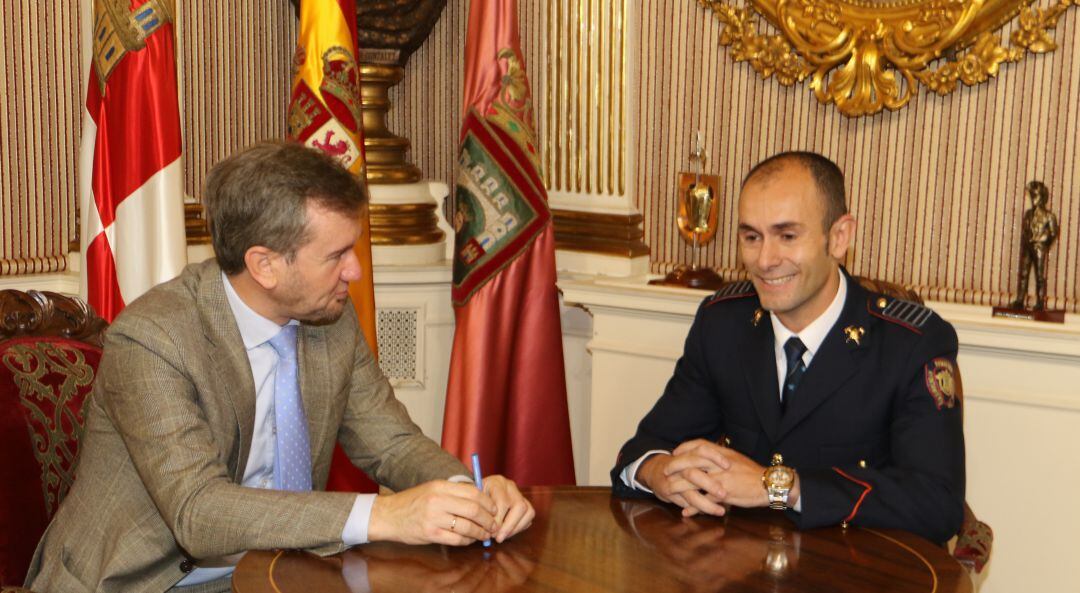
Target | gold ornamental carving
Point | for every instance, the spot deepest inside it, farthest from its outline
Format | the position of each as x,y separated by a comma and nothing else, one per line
866,55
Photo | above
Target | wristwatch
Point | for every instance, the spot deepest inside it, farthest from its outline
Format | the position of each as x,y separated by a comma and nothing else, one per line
778,480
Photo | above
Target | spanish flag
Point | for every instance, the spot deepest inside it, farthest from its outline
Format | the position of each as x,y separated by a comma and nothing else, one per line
324,113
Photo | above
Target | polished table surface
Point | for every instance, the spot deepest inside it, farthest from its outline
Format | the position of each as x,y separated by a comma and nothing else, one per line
583,539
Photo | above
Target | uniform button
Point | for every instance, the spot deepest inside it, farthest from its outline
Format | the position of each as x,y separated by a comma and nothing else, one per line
862,463
187,566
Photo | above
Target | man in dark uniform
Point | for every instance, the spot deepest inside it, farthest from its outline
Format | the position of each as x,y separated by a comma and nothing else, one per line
799,390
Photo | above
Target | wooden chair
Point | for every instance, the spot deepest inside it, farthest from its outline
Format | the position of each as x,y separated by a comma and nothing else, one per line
975,539
50,346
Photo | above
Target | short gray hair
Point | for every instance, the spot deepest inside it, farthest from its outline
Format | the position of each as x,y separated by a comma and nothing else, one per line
258,196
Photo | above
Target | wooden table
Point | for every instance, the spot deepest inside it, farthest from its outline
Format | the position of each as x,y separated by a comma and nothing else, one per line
583,539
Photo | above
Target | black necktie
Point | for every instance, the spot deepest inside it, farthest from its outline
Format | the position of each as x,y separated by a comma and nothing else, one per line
793,349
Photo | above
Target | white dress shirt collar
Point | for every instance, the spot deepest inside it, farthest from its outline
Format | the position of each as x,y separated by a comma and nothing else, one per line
254,328
814,334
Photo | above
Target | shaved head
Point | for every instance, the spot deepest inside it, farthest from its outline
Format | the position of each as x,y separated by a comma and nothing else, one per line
827,177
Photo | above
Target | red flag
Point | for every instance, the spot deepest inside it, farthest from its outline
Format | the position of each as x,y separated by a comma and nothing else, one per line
324,113
131,175
506,398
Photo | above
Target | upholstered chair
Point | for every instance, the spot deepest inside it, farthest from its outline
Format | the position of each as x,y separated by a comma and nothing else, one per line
50,346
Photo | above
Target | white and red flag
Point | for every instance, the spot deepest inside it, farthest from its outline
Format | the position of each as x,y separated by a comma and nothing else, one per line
131,185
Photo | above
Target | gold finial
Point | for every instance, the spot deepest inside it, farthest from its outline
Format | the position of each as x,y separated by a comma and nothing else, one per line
854,334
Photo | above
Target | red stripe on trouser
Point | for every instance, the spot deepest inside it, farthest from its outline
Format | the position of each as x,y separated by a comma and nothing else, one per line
102,289
866,490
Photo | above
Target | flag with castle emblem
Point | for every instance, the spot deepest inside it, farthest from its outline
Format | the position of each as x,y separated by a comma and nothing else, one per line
324,113
131,184
506,398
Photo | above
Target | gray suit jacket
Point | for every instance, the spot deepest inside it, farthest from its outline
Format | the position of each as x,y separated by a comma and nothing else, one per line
168,431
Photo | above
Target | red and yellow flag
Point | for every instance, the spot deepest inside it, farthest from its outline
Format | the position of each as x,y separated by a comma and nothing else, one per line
324,113
506,397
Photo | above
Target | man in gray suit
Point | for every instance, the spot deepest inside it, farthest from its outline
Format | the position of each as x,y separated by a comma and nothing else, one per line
220,396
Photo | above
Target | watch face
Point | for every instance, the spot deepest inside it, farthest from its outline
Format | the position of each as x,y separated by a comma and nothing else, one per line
780,477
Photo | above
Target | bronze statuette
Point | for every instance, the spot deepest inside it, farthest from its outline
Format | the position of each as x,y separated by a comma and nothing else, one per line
1038,233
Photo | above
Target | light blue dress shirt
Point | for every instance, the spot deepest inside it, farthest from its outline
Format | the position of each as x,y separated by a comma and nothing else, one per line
256,332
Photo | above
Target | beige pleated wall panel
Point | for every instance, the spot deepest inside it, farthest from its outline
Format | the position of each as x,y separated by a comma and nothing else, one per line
234,63
575,58
937,187
427,103
40,118
236,60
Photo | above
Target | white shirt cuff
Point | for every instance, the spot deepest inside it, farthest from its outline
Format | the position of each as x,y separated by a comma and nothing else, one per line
356,526
629,473
629,476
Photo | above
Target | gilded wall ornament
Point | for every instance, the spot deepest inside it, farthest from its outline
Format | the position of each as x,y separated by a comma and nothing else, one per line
866,55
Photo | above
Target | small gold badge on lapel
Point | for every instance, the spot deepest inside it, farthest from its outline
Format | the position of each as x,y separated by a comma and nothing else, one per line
854,334
757,317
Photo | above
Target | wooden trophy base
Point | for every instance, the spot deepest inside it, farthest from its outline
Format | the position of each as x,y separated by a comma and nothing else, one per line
1048,315
703,278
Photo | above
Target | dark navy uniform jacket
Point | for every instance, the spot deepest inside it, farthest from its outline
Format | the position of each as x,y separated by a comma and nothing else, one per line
874,428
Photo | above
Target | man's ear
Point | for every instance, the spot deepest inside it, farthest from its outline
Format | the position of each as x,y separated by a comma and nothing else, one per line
841,234
263,264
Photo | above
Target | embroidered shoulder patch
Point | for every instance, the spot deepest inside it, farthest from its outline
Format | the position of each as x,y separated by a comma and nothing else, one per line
734,290
943,382
906,313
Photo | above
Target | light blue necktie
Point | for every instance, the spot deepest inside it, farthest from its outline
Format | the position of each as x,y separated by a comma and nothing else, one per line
292,450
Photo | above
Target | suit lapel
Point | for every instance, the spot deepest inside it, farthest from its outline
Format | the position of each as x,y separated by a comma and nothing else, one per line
314,372
761,374
833,364
228,359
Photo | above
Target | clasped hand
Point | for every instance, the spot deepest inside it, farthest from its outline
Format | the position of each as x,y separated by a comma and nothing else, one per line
455,514
702,477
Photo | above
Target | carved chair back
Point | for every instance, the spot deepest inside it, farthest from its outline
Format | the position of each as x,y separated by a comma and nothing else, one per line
50,346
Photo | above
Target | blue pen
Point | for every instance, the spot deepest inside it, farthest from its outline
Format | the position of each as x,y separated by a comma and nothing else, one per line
479,483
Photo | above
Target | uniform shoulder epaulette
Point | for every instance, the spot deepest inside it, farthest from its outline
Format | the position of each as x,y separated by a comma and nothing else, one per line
907,314
734,290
